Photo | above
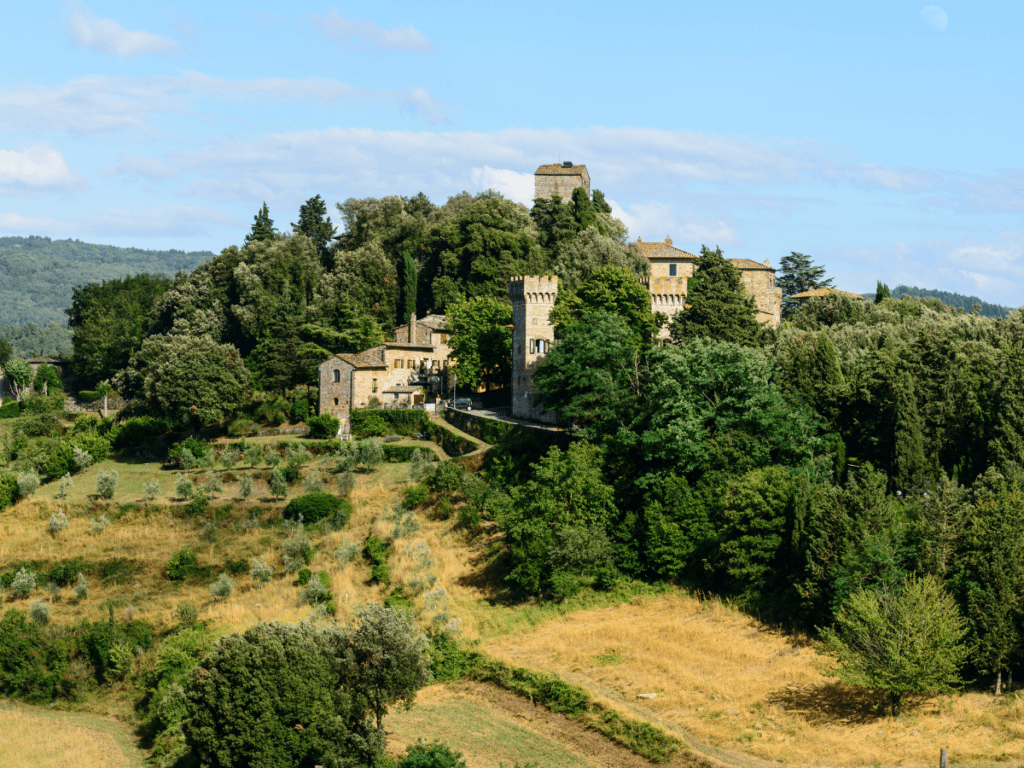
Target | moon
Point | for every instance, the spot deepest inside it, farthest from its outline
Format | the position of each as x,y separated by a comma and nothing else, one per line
934,18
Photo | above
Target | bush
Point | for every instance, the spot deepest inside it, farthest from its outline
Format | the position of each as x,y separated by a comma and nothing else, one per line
183,565
278,485
242,426
402,422
260,573
23,584
214,484
469,518
106,483
184,488
81,459
377,551
229,457
28,482
346,482
300,409
39,613
8,490
137,430
201,451
314,507
245,486
345,554
222,587
370,453
65,485
253,454
323,427
369,425
10,411
151,489
316,591
89,395
415,495
298,552
448,476
99,525
435,755
58,523
313,482
81,588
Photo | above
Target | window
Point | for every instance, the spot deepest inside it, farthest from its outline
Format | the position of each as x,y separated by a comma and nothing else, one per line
337,375
412,363
374,387
397,363
335,401
671,270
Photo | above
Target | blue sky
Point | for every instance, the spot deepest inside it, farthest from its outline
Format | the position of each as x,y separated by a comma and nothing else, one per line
883,139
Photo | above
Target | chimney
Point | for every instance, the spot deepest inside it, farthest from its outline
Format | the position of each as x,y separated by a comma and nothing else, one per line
668,240
412,322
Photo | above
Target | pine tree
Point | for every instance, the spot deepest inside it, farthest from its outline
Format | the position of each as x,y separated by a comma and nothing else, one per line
407,298
719,307
583,209
796,275
881,292
316,225
600,204
1007,447
262,228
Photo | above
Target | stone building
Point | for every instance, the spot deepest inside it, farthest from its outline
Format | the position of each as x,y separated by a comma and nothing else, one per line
560,179
533,298
759,280
397,373
669,269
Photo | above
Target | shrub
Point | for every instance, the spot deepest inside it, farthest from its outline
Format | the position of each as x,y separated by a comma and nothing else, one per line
245,486
415,495
58,523
316,591
28,482
99,525
241,426
300,409
448,476
370,453
313,483
39,613
260,573
304,576
10,411
229,457
184,488
323,427
435,755
137,430
314,507
371,424
278,485
187,616
377,551
346,482
273,411
469,518
8,490
222,587
23,584
214,484
81,459
444,509
253,454
81,588
345,553
198,506
199,450
183,565
419,465
106,483
298,552
151,489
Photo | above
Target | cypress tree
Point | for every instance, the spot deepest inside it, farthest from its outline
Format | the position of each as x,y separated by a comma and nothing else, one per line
1007,447
720,308
910,465
315,224
262,228
796,275
407,298
881,292
583,209
600,204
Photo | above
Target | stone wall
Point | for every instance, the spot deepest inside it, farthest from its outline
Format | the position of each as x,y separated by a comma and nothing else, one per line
533,298
760,283
551,180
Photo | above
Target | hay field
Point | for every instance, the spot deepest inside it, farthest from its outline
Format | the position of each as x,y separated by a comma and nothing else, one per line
734,686
34,738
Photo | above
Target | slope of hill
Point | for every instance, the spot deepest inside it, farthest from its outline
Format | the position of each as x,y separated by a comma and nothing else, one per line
37,274
29,340
958,300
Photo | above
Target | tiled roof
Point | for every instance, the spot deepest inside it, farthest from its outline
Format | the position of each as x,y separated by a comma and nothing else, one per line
660,250
435,322
749,264
403,345
362,360
557,169
823,292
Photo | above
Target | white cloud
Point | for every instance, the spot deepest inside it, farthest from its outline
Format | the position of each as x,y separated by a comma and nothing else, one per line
513,185
107,36
36,170
98,104
406,38
145,167
934,18
688,230
162,221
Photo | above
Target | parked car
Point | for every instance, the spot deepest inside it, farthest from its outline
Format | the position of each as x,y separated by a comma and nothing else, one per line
462,403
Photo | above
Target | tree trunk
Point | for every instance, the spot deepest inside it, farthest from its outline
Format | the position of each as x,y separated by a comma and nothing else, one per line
999,682
105,406
897,703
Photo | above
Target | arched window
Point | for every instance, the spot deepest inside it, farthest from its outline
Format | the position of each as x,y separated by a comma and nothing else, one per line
337,375
335,401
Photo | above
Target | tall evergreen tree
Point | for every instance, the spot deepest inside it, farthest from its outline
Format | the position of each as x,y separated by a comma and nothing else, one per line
1007,447
583,209
719,307
315,224
407,285
600,204
910,466
262,228
796,275
554,220
881,292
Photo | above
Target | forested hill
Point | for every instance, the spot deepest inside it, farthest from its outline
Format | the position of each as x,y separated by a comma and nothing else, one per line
37,274
958,300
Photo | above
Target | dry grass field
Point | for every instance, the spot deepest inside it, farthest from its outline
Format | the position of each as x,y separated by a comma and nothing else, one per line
733,686
35,738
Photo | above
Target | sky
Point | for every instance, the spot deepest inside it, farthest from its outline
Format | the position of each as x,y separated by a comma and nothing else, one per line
880,138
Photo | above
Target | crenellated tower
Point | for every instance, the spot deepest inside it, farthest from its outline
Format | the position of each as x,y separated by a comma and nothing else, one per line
533,298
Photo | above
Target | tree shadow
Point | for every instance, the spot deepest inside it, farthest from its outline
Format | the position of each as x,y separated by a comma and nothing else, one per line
837,704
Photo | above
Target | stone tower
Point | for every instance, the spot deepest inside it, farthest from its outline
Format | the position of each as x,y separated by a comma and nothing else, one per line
533,298
560,179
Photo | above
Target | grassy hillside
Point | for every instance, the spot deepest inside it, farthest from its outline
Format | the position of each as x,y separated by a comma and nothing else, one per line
37,274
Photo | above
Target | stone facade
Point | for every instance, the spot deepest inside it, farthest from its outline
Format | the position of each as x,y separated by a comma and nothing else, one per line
397,373
669,269
560,179
759,280
533,298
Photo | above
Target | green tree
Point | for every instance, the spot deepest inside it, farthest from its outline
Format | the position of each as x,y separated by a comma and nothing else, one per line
798,274
262,228
720,308
6,352
481,341
582,209
898,640
1007,445
280,694
315,224
408,280
600,204
19,376
190,379
554,220
910,465
613,290
108,321
881,292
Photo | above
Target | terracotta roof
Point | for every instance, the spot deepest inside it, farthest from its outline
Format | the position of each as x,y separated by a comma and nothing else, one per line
361,360
749,264
663,250
557,169
823,292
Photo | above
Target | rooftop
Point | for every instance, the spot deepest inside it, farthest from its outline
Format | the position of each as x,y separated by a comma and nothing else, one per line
750,264
824,292
663,250
361,359
558,169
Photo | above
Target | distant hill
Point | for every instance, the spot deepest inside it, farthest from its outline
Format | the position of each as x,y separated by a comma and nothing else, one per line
29,340
958,300
37,274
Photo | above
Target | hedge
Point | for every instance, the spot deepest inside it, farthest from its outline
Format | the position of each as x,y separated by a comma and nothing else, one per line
450,661
10,411
323,427
401,422
398,454
89,396
314,507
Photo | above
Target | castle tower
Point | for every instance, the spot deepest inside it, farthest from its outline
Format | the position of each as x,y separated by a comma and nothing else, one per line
560,179
533,298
